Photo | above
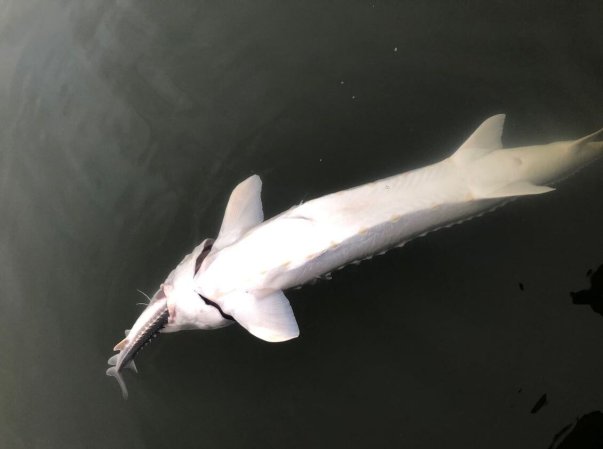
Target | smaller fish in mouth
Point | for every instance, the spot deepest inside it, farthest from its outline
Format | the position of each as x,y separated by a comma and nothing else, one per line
146,327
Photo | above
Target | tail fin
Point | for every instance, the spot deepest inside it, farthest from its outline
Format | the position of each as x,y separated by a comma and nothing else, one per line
589,138
120,380
589,142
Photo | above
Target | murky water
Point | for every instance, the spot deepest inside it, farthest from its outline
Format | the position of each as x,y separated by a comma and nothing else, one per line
124,125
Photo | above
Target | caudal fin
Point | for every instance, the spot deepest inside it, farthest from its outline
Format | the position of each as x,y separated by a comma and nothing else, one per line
588,139
590,146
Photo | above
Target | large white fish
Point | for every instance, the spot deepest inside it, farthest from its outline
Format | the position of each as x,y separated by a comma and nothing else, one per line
242,274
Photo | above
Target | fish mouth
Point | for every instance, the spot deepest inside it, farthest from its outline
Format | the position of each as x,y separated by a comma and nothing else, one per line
145,329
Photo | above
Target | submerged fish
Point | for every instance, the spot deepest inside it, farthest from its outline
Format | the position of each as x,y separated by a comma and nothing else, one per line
241,276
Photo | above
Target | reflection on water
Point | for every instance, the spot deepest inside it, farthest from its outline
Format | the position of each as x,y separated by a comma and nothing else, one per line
124,125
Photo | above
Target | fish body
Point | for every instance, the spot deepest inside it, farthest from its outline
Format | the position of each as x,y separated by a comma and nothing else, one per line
253,261
326,233
242,274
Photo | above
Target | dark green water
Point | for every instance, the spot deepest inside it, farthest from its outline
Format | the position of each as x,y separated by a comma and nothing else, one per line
125,124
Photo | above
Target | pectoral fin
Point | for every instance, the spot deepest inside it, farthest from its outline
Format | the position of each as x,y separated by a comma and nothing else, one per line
266,315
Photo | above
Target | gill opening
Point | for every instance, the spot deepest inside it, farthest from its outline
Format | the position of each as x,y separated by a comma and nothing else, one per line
216,306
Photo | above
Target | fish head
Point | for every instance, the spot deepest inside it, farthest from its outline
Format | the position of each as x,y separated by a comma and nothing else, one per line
187,308
173,307
152,319
190,310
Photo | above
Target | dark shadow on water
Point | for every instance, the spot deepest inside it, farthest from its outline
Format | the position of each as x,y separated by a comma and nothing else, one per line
539,404
587,433
594,295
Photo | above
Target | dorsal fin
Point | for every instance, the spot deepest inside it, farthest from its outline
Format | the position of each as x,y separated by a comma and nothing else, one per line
243,212
485,139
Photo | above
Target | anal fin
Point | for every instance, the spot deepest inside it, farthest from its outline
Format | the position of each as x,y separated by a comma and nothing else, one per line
519,188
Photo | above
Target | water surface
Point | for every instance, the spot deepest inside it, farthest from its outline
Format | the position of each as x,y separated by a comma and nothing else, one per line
124,126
